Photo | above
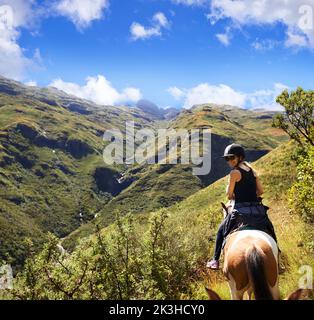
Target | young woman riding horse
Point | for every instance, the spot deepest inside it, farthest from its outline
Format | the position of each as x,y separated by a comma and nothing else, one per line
245,189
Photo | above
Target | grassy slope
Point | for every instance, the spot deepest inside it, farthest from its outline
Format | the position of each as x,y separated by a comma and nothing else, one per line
197,218
192,224
253,128
50,192
45,187
153,190
43,194
277,173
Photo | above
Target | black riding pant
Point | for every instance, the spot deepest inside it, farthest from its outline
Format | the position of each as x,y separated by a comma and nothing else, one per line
234,220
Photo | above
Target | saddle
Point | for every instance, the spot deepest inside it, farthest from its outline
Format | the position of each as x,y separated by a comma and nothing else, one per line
248,215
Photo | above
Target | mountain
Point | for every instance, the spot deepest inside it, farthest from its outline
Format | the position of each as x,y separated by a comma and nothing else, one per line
150,108
50,162
162,254
53,177
156,112
158,186
193,223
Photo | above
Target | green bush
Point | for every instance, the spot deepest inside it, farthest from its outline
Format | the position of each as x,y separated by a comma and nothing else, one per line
120,263
301,193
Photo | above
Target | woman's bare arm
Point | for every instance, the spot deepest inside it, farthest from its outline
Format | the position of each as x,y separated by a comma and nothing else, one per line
259,187
234,177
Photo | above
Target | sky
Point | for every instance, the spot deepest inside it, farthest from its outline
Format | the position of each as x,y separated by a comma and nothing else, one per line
175,53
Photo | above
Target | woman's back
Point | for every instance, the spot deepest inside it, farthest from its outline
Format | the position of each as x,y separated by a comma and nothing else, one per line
245,189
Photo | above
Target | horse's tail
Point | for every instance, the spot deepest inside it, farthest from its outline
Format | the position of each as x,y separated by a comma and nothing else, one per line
256,271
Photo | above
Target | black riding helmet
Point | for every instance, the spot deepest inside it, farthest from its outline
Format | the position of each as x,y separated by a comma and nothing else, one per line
234,150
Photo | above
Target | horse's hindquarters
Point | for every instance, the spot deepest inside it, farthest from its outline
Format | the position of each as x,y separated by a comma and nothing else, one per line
251,264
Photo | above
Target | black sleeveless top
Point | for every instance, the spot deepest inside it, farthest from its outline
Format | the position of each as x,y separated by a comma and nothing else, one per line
245,189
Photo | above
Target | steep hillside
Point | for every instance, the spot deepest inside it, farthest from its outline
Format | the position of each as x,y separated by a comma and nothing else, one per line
52,174
191,227
194,222
159,186
53,177
48,160
162,255
251,128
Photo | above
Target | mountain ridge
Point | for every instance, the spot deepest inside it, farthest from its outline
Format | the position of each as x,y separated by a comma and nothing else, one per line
53,176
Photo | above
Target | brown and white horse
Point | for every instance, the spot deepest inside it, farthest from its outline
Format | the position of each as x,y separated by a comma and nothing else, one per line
251,265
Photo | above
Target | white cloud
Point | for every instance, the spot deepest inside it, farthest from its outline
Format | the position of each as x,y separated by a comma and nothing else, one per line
224,38
82,12
99,90
31,83
22,12
296,15
176,92
161,19
265,45
138,31
265,99
204,93
223,94
190,2
130,95
13,61
296,39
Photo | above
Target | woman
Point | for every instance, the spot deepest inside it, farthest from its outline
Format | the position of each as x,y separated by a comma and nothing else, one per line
244,188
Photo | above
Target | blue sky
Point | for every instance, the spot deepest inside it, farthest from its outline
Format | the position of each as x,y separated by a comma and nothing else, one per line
172,52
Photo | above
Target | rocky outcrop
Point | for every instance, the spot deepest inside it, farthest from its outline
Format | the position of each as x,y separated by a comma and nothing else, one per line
265,116
78,108
78,149
27,131
110,181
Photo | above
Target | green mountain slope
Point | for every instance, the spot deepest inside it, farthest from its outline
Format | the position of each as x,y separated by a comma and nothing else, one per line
162,255
50,163
190,228
53,177
198,217
159,186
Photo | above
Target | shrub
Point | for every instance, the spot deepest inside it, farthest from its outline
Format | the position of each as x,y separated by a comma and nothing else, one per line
301,193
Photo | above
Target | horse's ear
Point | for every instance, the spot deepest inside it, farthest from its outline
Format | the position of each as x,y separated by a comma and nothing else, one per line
224,206
212,295
300,294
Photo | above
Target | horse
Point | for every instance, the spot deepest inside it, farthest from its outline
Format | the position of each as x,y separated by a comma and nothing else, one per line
251,266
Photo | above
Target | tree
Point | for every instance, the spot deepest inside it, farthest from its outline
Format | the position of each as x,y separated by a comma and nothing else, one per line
297,121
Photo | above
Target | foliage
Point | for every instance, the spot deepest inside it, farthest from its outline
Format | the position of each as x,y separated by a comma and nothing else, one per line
163,256
114,265
298,119
50,149
298,122
301,193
